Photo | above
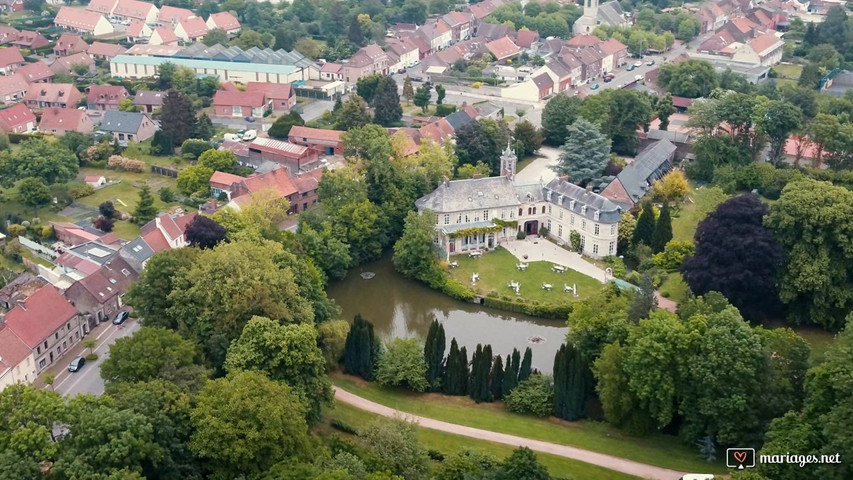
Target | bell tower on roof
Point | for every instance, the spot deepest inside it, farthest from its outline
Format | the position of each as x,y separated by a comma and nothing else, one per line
508,163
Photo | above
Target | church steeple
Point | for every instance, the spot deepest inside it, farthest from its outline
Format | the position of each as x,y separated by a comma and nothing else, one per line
508,162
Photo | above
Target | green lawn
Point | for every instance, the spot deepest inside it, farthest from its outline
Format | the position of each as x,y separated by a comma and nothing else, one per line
498,268
819,340
790,71
661,450
448,444
126,230
674,288
702,201
125,194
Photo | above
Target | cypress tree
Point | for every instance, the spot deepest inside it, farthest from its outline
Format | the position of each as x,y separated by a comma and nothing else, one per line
485,371
524,370
434,353
645,229
456,371
570,383
496,379
463,371
361,349
510,377
474,383
663,230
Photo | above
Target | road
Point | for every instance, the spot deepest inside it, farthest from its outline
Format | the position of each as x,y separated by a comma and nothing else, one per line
88,379
610,462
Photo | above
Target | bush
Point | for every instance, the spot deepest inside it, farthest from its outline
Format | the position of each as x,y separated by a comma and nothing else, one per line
444,109
15,230
435,455
457,290
167,194
343,426
124,163
476,84
616,264
533,396
91,357
674,254
520,235
556,310
543,232
78,190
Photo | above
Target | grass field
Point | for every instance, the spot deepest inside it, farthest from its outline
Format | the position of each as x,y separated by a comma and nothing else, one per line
498,268
448,444
788,71
703,201
660,450
674,288
125,194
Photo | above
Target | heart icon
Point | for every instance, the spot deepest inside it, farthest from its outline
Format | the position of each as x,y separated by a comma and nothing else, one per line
740,456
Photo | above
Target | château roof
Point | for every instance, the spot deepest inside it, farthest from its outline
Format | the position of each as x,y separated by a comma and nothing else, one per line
470,194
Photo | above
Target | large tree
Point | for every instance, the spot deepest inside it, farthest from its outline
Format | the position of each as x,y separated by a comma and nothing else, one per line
362,349
434,354
386,103
153,353
145,210
456,370
33,192
286,353
692,78
402,364
810,220
585,154
645,229
422,96
281,127
51,162
482,141
177,118
353,114
778,119
414,252
395,444
571,375
149,295
663,230
737,256
528,137
560,112
246,423
203,232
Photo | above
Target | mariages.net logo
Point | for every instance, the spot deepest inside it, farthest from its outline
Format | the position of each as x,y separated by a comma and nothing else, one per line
741,458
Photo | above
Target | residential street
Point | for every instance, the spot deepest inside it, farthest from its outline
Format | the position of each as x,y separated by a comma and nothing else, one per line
88,379
630,467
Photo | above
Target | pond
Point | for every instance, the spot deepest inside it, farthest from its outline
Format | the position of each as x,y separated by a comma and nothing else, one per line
401,307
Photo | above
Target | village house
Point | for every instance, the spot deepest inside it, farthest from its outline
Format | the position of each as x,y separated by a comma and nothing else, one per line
30,40
332,72
148,100
224,21
280,97
58,121
138,32
36,72
635,180
239,104
105,97
47,324
95,180
406,50
503,49
13,89
128,126
191,29
300,191
98,296
74,64
167,231
128,10
8,34
60,95
17,362
104,51
82,21
17,119
367,61
69,43
103,7
163,36
10,60
170,15
459,23
437,35
324,142
8,6
481,213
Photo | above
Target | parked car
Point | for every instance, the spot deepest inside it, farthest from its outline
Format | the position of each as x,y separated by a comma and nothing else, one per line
120,317
638,64
401,70
76,364
250,135
594,86
250,119
630,67
232,137
609,77
650,63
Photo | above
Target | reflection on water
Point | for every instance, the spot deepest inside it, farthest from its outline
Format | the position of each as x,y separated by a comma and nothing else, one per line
400,307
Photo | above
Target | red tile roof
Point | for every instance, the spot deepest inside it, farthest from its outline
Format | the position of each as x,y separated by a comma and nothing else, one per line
10,56
299,132
503,48
170,14
526,38
13,350
224,180
133,9
35,72
107,94
271,90
194,26
765,42
183,221
40,315
681,102
611,46
105,49
277,180
104,7
71,42
76,18
82,265
112,279
238,98
225,21
583,41
62,119
156,240
171,229
135,28
53,93
14,84
68,63
167,35
15,116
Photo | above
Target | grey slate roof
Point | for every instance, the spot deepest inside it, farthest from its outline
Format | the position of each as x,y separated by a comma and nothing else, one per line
458,119
562,193
610,13
470,194
543,81
649,165
136,252
493,31
121,122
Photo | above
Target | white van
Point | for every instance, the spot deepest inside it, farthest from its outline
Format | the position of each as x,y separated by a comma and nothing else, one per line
231,137
250,135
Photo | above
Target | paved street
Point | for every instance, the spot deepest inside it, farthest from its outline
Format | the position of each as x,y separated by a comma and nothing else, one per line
88,379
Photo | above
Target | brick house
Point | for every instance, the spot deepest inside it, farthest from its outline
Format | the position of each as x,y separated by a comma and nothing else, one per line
58,121
68,44
325,142
280,97
98,296
295,158
367,61
17,119
60,95
128,126
239,104
105,97
47,324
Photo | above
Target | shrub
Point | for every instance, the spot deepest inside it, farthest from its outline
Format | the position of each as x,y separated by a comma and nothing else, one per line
575,240
91,357
520,235
167,194
435,455
78,190
533,396
476,84
674,254
15,230
616,264
543,232
124,163
444,109
343,426
457,290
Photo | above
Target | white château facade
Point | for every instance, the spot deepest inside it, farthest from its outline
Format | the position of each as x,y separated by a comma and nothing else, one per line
481,213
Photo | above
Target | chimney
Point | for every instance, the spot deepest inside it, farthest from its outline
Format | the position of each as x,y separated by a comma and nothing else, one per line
446,181
589,187
564,178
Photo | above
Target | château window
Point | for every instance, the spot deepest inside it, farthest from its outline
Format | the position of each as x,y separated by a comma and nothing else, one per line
549,225
613,229
447,219
595,249
612,248
467,219
485,215
459,218
597,227
583,224
561,214
520,211
549,209
512,213
571,219
560,231
503,214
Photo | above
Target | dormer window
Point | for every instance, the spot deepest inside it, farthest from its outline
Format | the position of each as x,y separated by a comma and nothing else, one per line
583,210
572,205
548,195
596,215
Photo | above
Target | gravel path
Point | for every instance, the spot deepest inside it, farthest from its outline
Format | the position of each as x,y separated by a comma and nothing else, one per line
602,460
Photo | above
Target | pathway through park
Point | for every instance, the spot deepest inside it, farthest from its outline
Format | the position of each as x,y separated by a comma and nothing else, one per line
602,460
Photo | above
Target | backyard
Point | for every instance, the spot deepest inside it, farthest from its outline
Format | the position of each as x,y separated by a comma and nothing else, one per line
448,444
498,268
656,449
701,201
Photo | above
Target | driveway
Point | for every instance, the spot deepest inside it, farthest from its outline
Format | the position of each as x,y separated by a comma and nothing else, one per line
609,462
540,169
538,249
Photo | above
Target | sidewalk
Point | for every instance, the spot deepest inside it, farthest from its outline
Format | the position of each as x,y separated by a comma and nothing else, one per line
539,249
61,364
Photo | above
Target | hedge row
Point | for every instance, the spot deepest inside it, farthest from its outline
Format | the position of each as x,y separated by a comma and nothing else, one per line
557,311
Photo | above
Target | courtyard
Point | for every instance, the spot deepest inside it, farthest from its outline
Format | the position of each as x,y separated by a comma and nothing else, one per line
499,268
